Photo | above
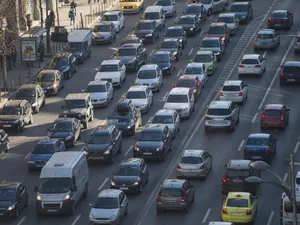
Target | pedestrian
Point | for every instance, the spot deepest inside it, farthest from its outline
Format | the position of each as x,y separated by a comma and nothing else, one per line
29,21
52,18
41,50
73,4
72,15
14,54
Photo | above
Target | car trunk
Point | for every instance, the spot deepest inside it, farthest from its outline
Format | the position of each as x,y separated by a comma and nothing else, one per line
272,116
171,196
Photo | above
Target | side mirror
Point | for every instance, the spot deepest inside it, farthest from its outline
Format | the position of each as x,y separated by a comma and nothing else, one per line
74,188
83,90
35,189
173,85
91,205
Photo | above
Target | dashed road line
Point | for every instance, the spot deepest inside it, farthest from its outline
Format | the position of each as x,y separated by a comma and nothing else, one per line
129,149
102,185
179,72
241,145
190,52
151,53
165,96
201,33
27,156
265,53
76,220
254,117
21,221
270,218
296,147
3,181
285,177
206,215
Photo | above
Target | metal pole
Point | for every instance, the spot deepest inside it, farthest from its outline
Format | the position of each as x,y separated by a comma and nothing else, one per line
293,190
48,29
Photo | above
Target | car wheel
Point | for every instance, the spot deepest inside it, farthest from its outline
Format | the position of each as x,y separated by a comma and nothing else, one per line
209,12
86,191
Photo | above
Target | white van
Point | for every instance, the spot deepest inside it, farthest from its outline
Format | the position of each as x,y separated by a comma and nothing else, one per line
155,13
63,182
286,209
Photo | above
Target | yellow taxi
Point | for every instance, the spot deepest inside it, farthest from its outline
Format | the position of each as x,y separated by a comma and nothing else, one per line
131,6
239,207
208,59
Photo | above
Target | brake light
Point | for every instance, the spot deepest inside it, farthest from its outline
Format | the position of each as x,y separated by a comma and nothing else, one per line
282,117
271,20
158,199
224,180
263,116
224,211
241,66
207,118
249,212
182,199
268,150
228,118
241,94
202,166
257,66
178,166
245,149
221,93
284,21
281,73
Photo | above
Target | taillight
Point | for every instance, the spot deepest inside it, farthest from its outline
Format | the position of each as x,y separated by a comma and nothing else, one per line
182,199
280,212
178,166
202,166
268,150
221,93
281,73
257,66
228,118
271,20
245,149
241,66
282,117
241,94
207,118
263,116
249,212
224,180
158,199
224,211
284,21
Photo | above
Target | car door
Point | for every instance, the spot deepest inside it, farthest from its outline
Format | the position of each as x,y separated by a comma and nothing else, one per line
186,188
20,197
208,160
191,100
122,204
41,96
262,62
109,90
149,96
286,112
244,88
176,119
2,141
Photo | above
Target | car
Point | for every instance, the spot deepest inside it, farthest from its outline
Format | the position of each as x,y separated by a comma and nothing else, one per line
281,19
196,9
154,142
220,30
101,92
147,31
208,58
65,129
131,6
169,7
198,70
297,43
104,33
131,39
253,64
112,71
172,45
190,23
42,152
66,63
132,55
150,75
175,194
118,207
4,141
212,6
222,114
15,115
177,32
267,39
235,91
165,60
52,81
168,117
104,143
79,106
191,82
181,100
155,13
260,147
275,115
14,198
214,44
236,171
194,163
116,17
289,72
231,20
239,207
131,176
220,223
126,117
243,10
140,96
34,94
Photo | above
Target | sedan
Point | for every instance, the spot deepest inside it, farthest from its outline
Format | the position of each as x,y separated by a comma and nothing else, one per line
172,45
147,31
104,33
151,76
51,81
177,32
198,70
169,7
281,19
252,64
101,92
267,39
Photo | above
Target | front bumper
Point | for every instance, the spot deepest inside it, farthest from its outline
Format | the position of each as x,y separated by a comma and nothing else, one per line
190,32
10,126
99,103
102,40
142,108
146,39
237,219
4,214
221,124
280,124
153,154
98,156
103,222
49,91
243,20
130,66
53,207
127,130
190,173
82,118
271,45
126,188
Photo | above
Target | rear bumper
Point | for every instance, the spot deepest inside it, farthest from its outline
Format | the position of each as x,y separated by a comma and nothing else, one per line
64,207
162,206
290,79
268,124
225,124
257,156
252,71
190,173
236,219
271,45
237,99
278,25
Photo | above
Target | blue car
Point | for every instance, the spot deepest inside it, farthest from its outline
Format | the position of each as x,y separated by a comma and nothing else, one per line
165,60
260,147
64,62
43,151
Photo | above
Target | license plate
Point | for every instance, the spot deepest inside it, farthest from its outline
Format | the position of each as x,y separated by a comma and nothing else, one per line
256,157
147,153
237,181
6,125
277,25
52,210
124,188
230,94
218,119
235,213
291,80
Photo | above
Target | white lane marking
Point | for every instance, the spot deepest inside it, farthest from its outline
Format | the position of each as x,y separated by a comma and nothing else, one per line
206,215
190,52
129,149
187,2
151,53
3,181
201,33
265,53
27,156
270,218
179,72
296,147
102,185
21,221
165,96
177,18
275,76
254,117
285,177
241,145
76,220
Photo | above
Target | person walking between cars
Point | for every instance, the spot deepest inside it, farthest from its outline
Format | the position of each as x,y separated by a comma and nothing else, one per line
41,51
72,15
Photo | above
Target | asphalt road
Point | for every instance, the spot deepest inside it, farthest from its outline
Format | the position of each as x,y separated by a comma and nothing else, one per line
222,145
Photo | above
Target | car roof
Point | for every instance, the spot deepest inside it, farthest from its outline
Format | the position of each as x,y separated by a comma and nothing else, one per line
232,82
240,3
292,63
47,141
131,45
14,102
154,127
164,112
29,86
110,62
266,31
109,193
179,91
251,56
204,53
188,16
173,183
243,195
9,185
211,38
113,12
192,153
274,106
217,24
64,119
187,77
162,53
47,71
280,11
149,67
77,96
259,135
239,164
195,64
131,162
138,88
226,14
170,39
174,27
94,83
219,104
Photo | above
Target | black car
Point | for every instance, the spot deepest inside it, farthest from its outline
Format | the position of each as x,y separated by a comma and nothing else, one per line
65,63
51,81
196,9
281,19
13,199
147,31
190,23
131,39
289,73
153,142
15,115
104,143
235,174
126,117
65,129
131,176
172,45
4,141
177,32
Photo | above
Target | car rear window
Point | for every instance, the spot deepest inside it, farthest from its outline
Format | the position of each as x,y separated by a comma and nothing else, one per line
291,69
237,202
191,160
258,141
237,173
231,88
174,192
272,112
218,112
278,15
265,36
250,61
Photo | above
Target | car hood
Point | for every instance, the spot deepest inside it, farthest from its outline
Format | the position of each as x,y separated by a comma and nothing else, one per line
169,49
143,32
149,144
35,157
45,84
104,213
107,75
126,59
58,135
176,105
127,180
146,81
98,95
77,111
213,49
168,8
139,102
240,14
9,117
98,147
101,34
63,69
6,204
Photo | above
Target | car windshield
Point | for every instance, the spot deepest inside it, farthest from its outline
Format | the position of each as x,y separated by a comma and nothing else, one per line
25,94
177,99
218,112
174,33
10,110
127,171
96,88
144,26
147,74
193,9
210,44
237,202
160,58
163,119
168,44
101,28
237,173
127,52
75,46
150,136
250,61
59,62
186,20
190,160
100,138
109,68
203,58
43,149
216,30
278,15
151,16
231,88
170,192
55,185
8,195
206,1
193,70
106,203
109,18
265,36
291,69
226,19
258,141
136,95
190,83
74,104
239,8
46,77
124,115
163,3
65,126
272,112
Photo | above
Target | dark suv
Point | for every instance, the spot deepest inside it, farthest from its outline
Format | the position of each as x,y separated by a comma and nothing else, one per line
290,72
78,106
236,172
147,31
104,143
65,63
154,141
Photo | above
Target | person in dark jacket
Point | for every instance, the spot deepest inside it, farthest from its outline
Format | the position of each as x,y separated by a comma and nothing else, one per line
41,51
29,21
72,15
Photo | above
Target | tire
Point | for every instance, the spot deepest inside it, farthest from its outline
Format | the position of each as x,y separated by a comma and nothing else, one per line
91,118
7,147
37,109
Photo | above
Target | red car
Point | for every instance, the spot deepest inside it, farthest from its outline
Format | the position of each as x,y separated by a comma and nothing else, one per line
275,115
219,30
191,82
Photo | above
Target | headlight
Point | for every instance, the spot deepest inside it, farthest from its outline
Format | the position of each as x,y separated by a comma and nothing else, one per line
137,149
175,53
91,217
180,40
107,152
186,109
136,183
17,121
223,38
113,217
11,208
192,29
34,104
85,152
67,197
39,198
149,35
113,183
159,149
217,53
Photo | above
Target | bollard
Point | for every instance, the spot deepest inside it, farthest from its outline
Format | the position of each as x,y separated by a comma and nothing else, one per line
8,87
19,79
13,86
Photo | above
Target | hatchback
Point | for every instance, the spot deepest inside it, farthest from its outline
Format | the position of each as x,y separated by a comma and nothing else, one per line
275,115
281,19
165,60
235,91
150,75
208,58
290,72
252,64
169,7
267,39
198,70
297,43
220,30
172,45
231,21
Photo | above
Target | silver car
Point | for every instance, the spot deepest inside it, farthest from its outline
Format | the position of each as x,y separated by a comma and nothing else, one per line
231,20
109,207
169,7
104,33
267,39
235,91
101,92
194,163
168,117
198,70
297,43
212,6
151,76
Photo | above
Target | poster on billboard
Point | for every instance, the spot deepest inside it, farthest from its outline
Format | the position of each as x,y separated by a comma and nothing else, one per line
28,51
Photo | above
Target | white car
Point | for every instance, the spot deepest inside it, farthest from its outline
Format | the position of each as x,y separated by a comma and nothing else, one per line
235,91
101,92
140,96
198,70
151,76
169,7
113,71
116,17
252,64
